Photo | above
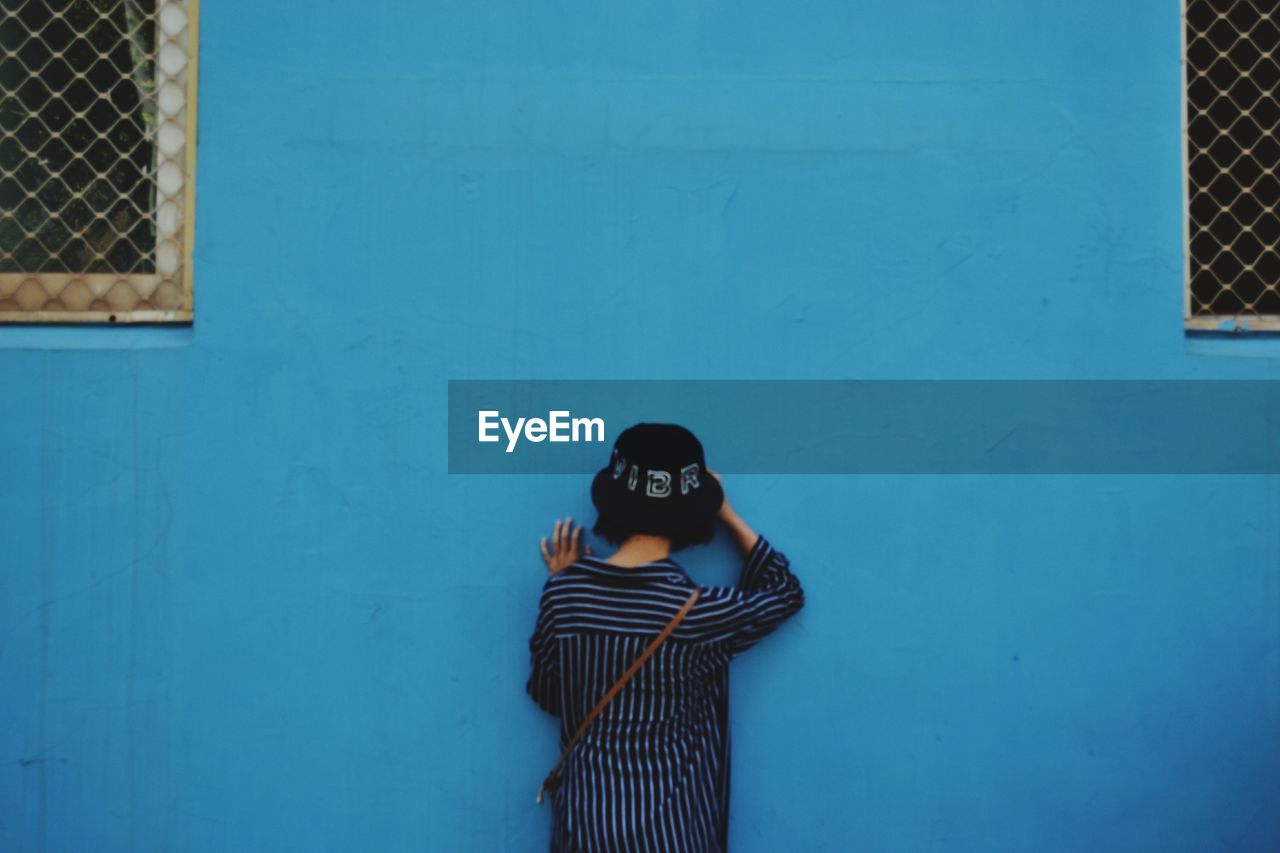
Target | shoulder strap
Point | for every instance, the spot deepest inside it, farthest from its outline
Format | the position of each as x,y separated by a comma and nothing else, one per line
549,782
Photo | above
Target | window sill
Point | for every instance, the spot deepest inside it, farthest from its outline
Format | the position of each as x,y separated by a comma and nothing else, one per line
1234,344
104,336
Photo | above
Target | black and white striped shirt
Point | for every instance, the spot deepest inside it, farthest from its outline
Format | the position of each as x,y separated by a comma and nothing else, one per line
652,771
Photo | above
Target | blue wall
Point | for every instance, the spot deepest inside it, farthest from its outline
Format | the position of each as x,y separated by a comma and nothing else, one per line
244,608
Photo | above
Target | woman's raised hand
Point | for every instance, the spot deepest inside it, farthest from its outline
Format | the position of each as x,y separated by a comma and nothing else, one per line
564,545
741,531
726,510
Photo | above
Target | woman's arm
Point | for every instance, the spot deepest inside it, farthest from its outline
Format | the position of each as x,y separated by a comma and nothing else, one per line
543,685
544,656
767,594
738,528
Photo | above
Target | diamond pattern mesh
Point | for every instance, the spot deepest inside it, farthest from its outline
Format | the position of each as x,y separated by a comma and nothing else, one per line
94,160
1232,62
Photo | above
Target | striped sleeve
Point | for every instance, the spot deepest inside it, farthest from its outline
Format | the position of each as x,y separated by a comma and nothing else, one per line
765,597
544,670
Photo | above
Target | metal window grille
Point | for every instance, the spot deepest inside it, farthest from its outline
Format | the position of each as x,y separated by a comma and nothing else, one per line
1231,109
97,153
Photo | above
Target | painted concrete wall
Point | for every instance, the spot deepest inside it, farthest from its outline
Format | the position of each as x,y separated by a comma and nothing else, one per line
243,606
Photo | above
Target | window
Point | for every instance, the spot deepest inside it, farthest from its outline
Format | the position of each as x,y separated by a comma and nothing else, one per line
1231,57
97,148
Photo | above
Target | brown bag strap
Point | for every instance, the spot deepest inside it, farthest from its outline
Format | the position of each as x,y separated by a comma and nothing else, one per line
549,782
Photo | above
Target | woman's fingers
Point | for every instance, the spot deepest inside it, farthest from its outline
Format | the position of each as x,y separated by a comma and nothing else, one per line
565,541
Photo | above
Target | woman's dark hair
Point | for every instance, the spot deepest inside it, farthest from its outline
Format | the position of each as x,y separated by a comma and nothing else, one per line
686,532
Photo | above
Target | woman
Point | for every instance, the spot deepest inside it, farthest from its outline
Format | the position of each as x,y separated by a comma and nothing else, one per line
651,772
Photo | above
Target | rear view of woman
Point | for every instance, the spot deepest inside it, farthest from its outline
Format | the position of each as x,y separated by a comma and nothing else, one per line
650,771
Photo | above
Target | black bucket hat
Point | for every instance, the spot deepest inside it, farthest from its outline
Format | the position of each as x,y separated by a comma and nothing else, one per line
657,480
